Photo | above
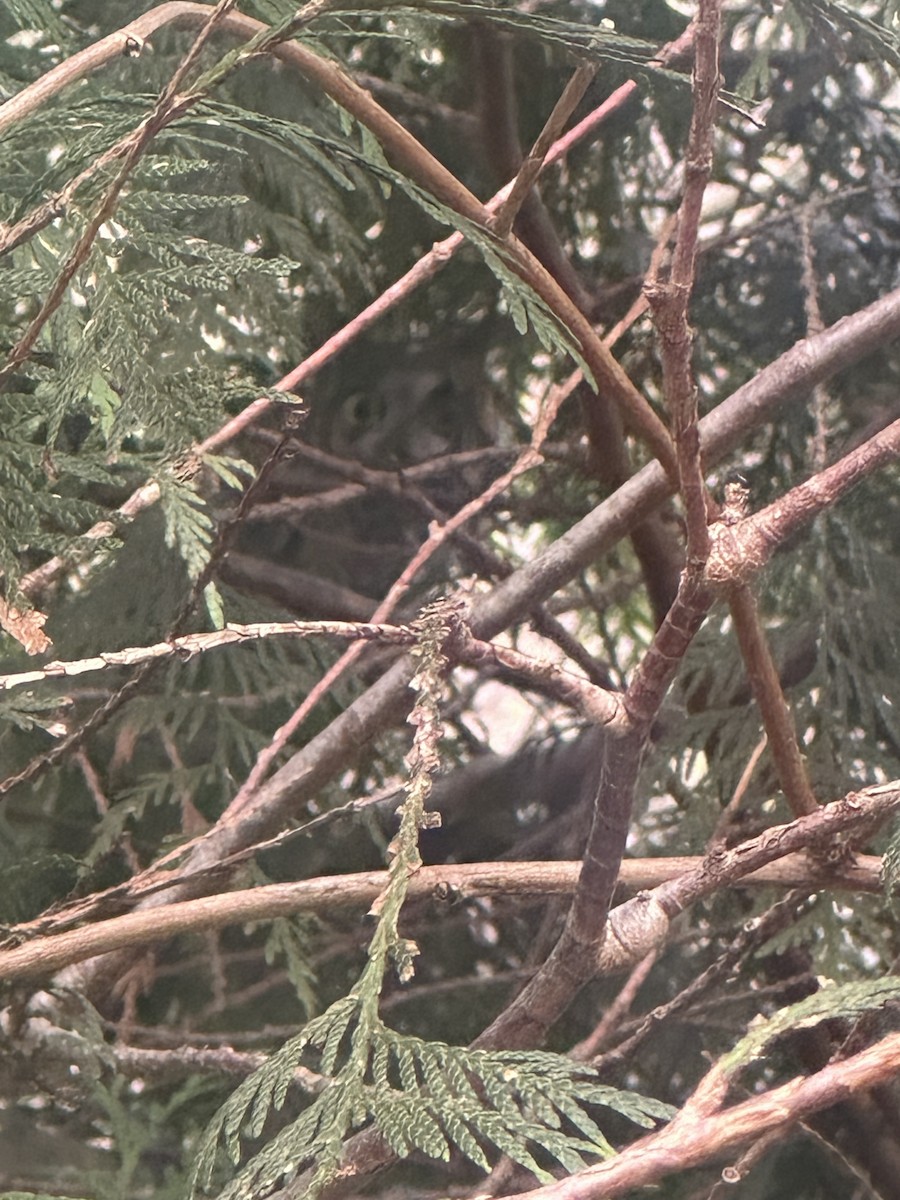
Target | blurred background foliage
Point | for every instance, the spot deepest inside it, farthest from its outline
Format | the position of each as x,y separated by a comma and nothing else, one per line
254,229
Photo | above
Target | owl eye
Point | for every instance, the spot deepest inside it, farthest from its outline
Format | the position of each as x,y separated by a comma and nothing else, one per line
361,410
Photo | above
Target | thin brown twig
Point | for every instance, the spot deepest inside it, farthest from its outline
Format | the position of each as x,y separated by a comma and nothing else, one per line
814,324
775,386
669,299
753,935
505,213
719,835
670,304
737,1171
741,549
763,674
176,13
590,1046
528,459
631,936
531,1013
769,695
95,787
586,929
596,704
695,1137
654,271
191,644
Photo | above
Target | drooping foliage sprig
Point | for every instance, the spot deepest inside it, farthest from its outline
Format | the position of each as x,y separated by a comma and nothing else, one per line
419,1095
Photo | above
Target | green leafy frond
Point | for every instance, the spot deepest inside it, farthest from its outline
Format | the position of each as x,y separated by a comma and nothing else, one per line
863,31
422,1096
40,15
189,526
525,307
27,711
39,510
308,148
80,133
113,823
847,1000
251,1103
30,885
890,865
328,155
233,472
289,939
600,41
